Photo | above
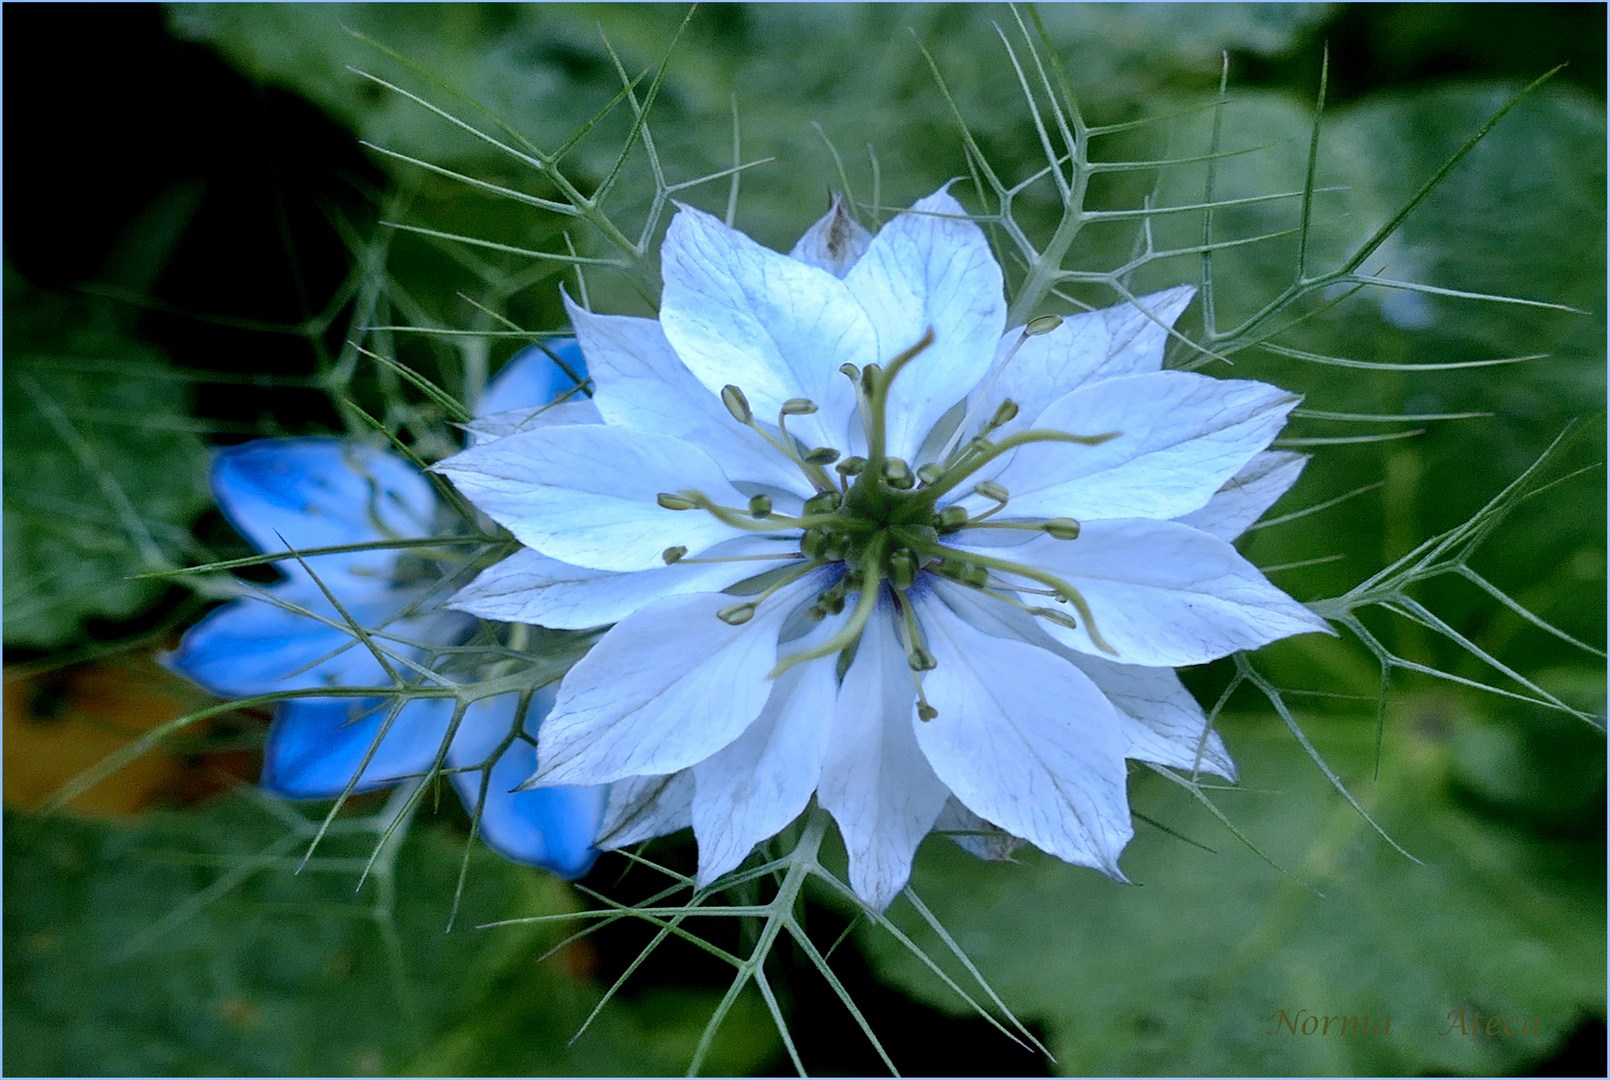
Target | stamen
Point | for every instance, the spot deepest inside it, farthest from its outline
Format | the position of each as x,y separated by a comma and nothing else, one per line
1064,591
1035,327
852,466
992,491
1005,413
760,506
781,556
673,554
918,659
675,502
737,614
897,474
928,473
738,405
1062,528
850,633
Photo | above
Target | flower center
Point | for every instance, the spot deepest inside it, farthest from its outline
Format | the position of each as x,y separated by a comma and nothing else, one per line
883,522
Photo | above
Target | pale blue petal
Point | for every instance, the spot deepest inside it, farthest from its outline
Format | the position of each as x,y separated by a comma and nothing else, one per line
253,646
930,269
314,492
776,328
316,746
548,827
588,494
532,378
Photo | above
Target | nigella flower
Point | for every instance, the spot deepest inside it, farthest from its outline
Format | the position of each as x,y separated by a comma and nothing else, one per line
319,492
860,540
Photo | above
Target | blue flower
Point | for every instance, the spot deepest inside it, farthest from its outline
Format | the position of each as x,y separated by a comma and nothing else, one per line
307,493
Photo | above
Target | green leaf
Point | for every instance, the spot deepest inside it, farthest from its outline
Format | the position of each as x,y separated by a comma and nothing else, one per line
124,957
103,471
1187,971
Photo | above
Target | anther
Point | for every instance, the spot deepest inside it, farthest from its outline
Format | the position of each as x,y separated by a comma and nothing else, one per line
926,712
929,473
870,376
737,614
897,474
759,506
798,406
850,371
902,568
920,659
822,455
673,554
1052,615
825,503
952,518
852,466
738,405
1062,528
992,491
1005,413
972,574
812,544
675,502
1043,325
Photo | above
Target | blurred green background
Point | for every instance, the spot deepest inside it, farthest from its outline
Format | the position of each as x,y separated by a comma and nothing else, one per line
193,233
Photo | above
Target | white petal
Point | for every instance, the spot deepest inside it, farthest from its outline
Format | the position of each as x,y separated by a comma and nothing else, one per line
1181,436
529,587
641,383
974,835
1161,721
1250,492
586,494
500,425
643,807
1165,595
666,688
761,781
1173,729
924,271
740,314
834,243
1088,347
1025,740
875,781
